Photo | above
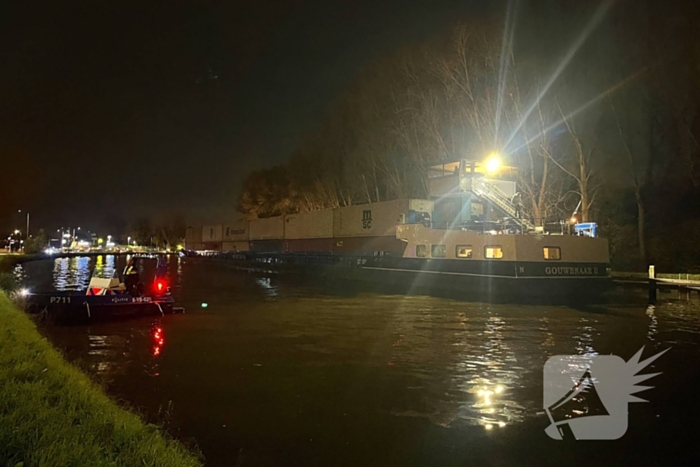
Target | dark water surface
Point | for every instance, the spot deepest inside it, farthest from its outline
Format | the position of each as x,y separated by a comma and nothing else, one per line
276,372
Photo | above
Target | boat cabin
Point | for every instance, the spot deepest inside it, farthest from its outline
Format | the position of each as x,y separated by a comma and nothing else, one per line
520,255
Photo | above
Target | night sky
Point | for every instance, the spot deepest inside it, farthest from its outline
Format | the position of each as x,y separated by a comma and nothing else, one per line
115,110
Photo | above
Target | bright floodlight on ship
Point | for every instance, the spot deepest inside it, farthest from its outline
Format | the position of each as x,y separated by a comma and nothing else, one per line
493,163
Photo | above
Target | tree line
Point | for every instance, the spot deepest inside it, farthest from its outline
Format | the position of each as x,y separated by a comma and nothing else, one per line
608,126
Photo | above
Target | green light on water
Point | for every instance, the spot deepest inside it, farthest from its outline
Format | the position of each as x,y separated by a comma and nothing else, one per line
204,304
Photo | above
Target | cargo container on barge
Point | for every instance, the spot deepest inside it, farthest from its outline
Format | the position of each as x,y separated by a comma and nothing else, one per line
448,242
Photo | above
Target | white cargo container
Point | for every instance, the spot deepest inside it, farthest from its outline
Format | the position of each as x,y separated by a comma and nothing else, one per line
379,219
212,233
236,231
314,224
193,238
271,228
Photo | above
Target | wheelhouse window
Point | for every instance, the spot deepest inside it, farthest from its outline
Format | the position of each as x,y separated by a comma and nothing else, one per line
421,251
464,251
552,252
493,252
438,251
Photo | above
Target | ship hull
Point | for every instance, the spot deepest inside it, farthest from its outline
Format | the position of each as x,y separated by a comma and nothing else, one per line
503,281
489,287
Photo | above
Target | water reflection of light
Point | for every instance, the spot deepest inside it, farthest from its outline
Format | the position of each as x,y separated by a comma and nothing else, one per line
60,272
549,339
179,271
110,262
585,338
19,273
484,405
75,273
266,284
653,322
105,349
491,374
450,356
104,266
158,338
71,273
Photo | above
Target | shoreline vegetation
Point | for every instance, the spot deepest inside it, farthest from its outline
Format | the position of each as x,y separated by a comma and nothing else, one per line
53,414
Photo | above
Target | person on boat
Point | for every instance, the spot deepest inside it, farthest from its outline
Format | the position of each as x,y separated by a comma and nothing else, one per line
131,277
518,204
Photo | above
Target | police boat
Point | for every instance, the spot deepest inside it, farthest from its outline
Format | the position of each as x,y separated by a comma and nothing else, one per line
107,297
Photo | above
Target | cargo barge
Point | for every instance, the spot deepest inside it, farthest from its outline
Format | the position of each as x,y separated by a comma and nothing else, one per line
455,241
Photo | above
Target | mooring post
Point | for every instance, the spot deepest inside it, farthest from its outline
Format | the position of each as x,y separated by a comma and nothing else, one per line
652,284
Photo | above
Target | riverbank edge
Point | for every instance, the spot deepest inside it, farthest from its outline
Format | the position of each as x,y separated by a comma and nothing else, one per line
53,414
7,262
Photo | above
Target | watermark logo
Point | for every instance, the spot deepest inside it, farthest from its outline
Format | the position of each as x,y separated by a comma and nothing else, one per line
586,397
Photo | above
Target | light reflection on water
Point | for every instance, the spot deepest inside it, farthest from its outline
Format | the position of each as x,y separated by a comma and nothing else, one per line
74,273
286,348
71,273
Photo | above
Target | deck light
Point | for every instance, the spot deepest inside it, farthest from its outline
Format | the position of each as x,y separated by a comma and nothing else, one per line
493,163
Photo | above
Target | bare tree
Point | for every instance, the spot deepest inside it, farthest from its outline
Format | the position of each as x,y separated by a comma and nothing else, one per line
639,168
579,165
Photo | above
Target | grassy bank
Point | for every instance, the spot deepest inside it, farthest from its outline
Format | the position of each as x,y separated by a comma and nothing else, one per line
52,414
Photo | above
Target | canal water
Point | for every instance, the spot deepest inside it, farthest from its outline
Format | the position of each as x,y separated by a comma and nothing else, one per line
274,371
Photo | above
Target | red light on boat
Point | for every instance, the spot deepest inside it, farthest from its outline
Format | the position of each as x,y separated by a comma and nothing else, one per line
160,285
